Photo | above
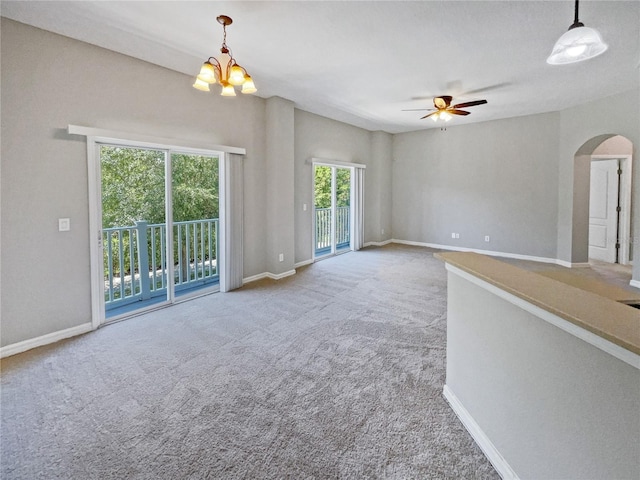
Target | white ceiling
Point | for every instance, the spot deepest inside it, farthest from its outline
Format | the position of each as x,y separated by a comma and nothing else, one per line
363,62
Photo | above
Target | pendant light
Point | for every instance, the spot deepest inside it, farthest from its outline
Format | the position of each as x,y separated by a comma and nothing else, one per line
578,44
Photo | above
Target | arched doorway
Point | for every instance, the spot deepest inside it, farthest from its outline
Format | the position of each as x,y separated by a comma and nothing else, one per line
603,183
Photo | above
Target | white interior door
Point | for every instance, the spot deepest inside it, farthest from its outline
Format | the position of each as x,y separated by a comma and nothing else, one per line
603,215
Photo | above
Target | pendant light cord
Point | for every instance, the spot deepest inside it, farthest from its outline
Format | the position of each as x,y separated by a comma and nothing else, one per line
576,22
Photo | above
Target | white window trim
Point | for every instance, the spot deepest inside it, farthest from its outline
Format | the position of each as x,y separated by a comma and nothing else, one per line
335,163
137,140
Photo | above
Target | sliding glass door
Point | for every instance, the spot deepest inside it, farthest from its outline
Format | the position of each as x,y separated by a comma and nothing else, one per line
195,205
332,210
159,229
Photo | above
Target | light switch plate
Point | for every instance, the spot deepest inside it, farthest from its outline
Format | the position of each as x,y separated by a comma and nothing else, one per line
64,224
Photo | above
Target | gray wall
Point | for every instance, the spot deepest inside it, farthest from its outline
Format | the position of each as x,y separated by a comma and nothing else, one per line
320,137
495,178
601,119
511,179
617,145
45,273
280,182
378,190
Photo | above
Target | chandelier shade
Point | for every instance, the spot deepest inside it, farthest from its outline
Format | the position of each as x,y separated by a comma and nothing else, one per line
200,85
577,44
224,70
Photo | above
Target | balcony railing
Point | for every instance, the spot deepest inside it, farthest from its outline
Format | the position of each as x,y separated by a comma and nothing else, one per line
323,229
135,264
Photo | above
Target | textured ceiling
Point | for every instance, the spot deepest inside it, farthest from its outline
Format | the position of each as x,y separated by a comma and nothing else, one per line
364,62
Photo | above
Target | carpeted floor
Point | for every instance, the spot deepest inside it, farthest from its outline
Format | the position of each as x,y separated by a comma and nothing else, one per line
336,372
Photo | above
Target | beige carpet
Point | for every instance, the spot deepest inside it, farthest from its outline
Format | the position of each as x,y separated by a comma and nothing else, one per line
336,372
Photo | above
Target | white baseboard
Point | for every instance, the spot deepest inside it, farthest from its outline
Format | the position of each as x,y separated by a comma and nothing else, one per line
483,252
303,263
488,448
377,244
254,278
44,339
635,283
270,275
281,275
564,263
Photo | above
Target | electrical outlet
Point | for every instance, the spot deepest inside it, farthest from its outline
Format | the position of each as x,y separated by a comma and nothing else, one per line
383,231
457,235
453,235
304,207
281,257
487,238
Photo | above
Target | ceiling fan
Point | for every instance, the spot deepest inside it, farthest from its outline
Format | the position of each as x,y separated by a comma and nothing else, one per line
444,109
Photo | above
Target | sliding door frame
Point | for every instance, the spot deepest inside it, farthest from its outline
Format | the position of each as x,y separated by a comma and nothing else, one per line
95,139
356,207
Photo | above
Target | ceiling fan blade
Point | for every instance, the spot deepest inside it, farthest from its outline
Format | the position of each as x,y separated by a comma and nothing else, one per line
443,101
457,112
417,110
428,115
486,89
470,104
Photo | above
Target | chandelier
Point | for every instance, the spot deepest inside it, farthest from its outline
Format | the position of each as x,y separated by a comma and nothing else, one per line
224,70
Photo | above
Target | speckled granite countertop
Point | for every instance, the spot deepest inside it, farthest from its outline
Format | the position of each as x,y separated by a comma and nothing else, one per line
590,304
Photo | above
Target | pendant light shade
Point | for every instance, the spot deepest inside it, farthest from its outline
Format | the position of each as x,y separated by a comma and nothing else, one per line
578,44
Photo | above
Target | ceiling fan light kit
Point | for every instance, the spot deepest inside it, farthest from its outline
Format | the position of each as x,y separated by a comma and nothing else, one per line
443,115
577,44
224,70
